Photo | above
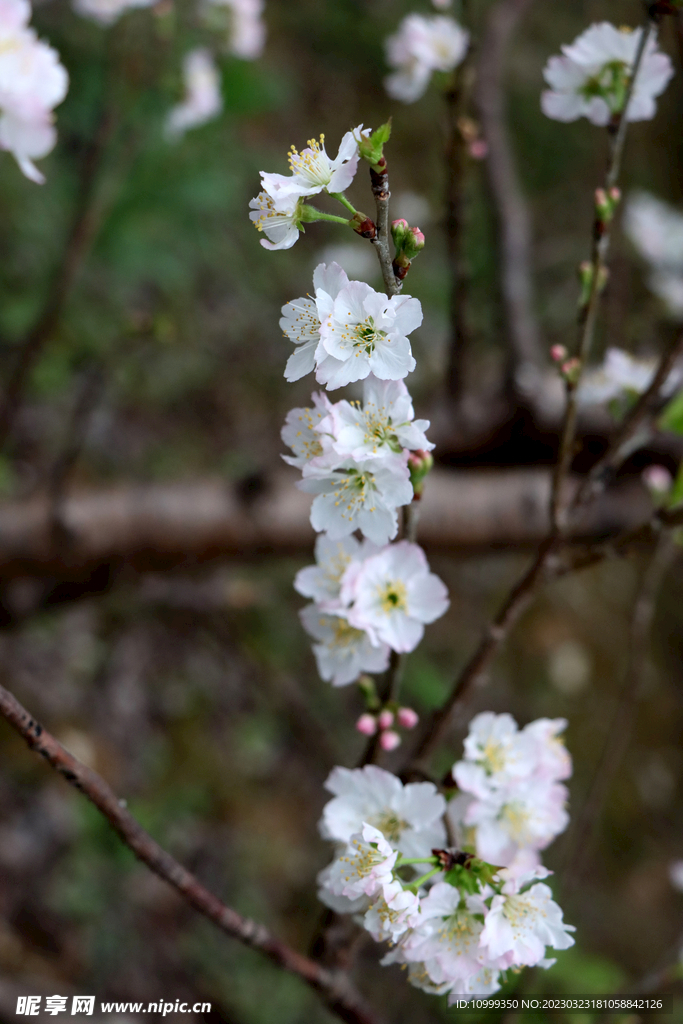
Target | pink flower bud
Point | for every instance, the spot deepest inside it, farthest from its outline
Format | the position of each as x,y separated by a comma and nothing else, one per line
389,740
385,719
407,718
558,353
478,149
615,194
657,479
400,223
367,724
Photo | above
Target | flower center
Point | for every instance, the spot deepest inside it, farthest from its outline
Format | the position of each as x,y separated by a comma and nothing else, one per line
494,757
270,216
366,336
308,440
611,84
393,597
390,825
516,816
345,635
313,164
459,930
353,491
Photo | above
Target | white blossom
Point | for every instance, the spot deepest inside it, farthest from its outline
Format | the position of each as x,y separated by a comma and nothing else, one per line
301,321
313,171
591,77
393,594
343,651
552,759
322,582
382,424
500,752
410,817
484,983
359,496
245,29
364,867
676,874
367,332
528,814
32,83
520,924
203,100
106,12
619,375
393,912
279,220
656,231
448,935
299,433
422,46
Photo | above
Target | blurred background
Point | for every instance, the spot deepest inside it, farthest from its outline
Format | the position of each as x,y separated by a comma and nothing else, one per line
165,650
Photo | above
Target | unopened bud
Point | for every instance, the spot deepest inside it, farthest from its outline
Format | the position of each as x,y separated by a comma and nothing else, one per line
366,685
571,370
363,225
398,231
389,740
371,147
367,724
605,204
558,353
419,464
658,480
413,243
407,718
385,719
478,149
586,272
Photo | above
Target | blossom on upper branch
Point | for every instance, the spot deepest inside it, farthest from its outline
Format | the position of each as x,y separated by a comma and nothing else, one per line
410,817
280,221
366,332
203,100
32,83
393,594
383,424
301,321
656,231
313,171
419,48
242,23
592,76
106,12
342,651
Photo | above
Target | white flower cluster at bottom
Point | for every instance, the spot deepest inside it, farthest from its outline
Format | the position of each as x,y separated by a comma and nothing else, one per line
459,926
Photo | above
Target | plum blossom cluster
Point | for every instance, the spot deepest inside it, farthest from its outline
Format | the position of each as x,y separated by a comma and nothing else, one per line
279,210
32,83
511,802
421,46
656,231
454,919
592,77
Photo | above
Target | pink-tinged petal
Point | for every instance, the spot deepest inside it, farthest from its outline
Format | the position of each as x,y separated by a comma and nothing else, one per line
407,312
428,597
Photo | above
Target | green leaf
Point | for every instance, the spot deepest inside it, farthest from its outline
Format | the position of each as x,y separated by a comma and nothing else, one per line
672,417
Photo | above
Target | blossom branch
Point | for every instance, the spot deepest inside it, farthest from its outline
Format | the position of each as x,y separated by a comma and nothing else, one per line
379,181
334,988
589,311
619,447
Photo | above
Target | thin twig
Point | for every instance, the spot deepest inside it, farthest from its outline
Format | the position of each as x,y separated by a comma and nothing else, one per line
379,181
621,726
85,223
542,567
506,189
334,988
619,447
589,311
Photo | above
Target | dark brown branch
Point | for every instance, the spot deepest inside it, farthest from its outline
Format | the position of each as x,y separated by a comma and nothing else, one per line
84,226
335,989
160,526
506,189
379,181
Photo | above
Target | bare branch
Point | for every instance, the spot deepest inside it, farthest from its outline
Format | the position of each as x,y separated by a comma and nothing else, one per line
380,190
335,989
